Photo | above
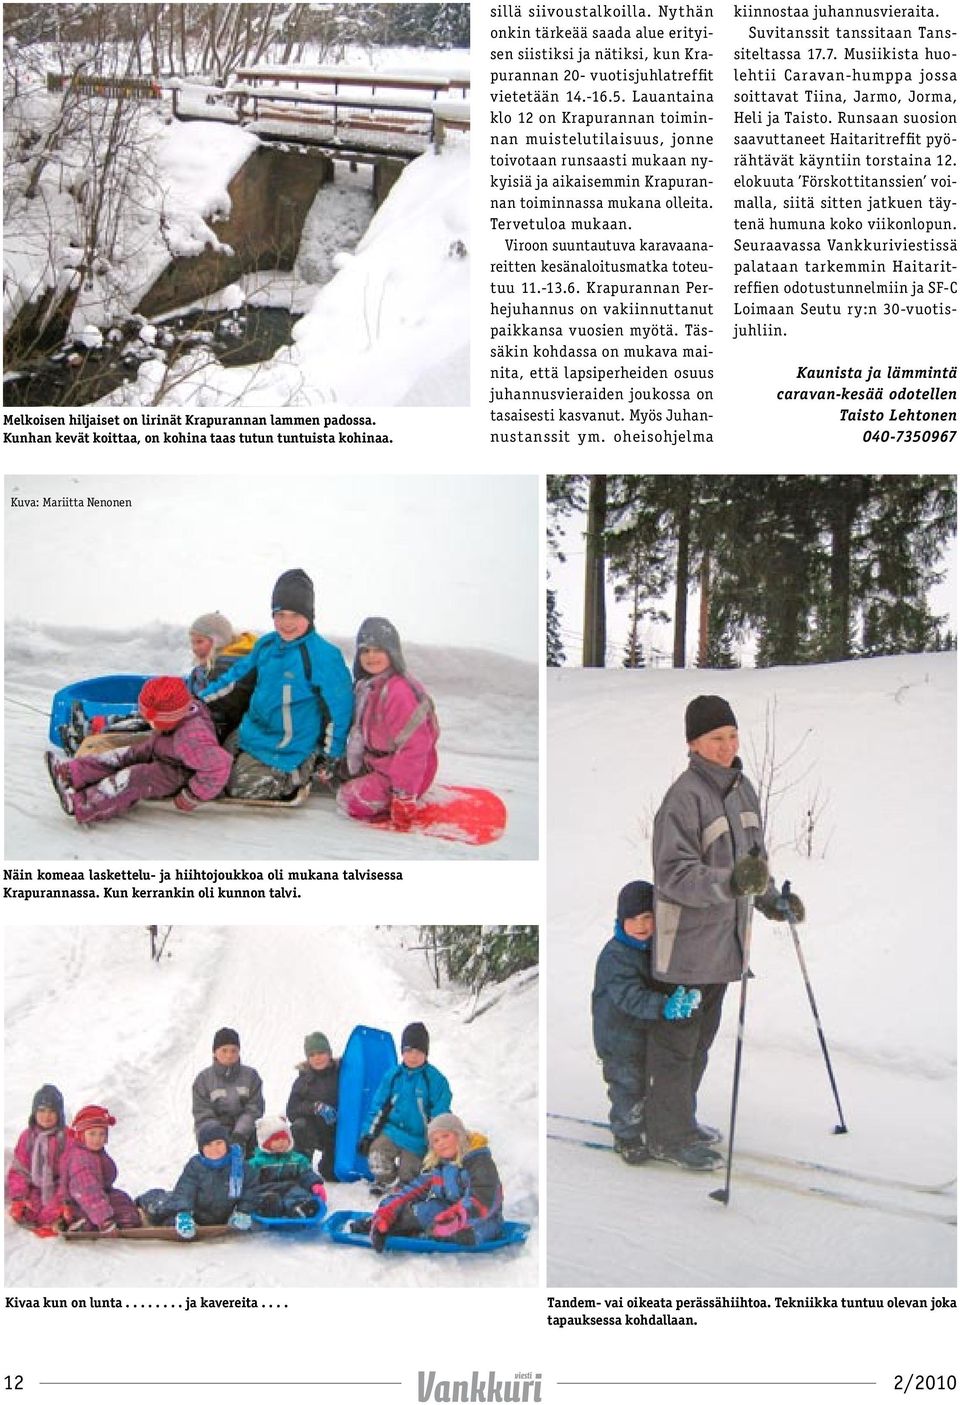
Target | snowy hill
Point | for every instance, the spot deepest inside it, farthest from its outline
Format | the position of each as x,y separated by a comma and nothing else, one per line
133,1034
878,739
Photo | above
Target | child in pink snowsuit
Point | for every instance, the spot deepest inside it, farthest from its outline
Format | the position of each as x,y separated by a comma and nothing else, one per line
392,746
180,756
87,1176
34,1174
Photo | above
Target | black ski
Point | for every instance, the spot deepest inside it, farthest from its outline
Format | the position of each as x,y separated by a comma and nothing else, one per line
838,1197
799,1164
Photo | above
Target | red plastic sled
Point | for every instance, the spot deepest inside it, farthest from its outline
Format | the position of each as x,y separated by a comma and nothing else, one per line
461,813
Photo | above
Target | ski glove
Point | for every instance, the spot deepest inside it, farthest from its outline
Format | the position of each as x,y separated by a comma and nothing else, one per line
681,1004
403,808
185,802
326,1112
750,875
780,907
240,1220
364,1145
20,1211
449,1222
185,1226
320,1191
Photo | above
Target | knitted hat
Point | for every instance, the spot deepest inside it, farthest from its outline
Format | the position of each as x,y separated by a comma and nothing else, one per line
449,1122
50,1097
211,1131
274,1129
164,702
706,714
316,1043
293,591
415,1036
214,626
378,633
225,1036
635,898
92,1116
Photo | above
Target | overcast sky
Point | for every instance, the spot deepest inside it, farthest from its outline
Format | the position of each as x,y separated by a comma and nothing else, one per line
450,559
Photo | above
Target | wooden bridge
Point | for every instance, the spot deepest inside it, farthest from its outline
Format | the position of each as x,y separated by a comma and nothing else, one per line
348,111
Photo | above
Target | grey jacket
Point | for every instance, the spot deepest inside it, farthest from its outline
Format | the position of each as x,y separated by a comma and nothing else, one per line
232,1095
709,818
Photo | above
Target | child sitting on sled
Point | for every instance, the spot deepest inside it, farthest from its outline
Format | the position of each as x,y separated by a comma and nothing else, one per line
284,1184
180,757
392,746
627,1003
301,684
88,1198
214,1188
34,1174
407,1097
312,1104
457,1198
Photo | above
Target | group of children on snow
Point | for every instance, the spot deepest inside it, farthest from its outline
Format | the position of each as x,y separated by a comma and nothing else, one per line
253,723
435,1178
677,943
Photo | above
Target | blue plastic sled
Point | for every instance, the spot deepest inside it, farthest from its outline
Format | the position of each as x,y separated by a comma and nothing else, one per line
284,1224
335,1228
369,1054
115,693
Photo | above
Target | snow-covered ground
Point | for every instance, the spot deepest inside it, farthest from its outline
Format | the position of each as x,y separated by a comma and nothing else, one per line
451,560
88,1010
391,326
878,738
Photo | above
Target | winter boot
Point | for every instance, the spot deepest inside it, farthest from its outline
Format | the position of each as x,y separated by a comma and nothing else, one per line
380,1187
633,1153
361,1226
59,774
702,1132
692,1155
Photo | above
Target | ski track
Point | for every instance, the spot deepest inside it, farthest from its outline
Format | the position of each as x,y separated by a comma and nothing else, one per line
658,1235
134,1034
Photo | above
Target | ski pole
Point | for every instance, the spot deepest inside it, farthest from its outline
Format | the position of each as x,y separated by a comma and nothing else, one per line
785,908
724,1195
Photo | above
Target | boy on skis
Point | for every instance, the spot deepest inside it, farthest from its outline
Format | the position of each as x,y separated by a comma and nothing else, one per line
626,1004
709,864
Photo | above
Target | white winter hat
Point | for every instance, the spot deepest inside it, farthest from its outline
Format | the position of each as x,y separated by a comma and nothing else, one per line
269,1127
213,626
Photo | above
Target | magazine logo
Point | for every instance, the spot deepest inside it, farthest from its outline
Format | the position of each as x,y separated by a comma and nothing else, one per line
524,1386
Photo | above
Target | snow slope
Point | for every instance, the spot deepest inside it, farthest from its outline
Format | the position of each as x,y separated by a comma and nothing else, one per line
134,1034
878,737
452,560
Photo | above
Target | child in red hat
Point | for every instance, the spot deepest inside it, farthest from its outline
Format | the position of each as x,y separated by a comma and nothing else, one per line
180,757
87,1176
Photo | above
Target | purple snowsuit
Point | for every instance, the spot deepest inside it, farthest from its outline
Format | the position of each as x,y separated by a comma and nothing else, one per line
86,1188
392,746
35,1172
187,758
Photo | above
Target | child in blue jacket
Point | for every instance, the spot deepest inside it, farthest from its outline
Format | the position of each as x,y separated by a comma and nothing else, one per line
302,686
457,1197
627,1003
408,1098
215,1187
